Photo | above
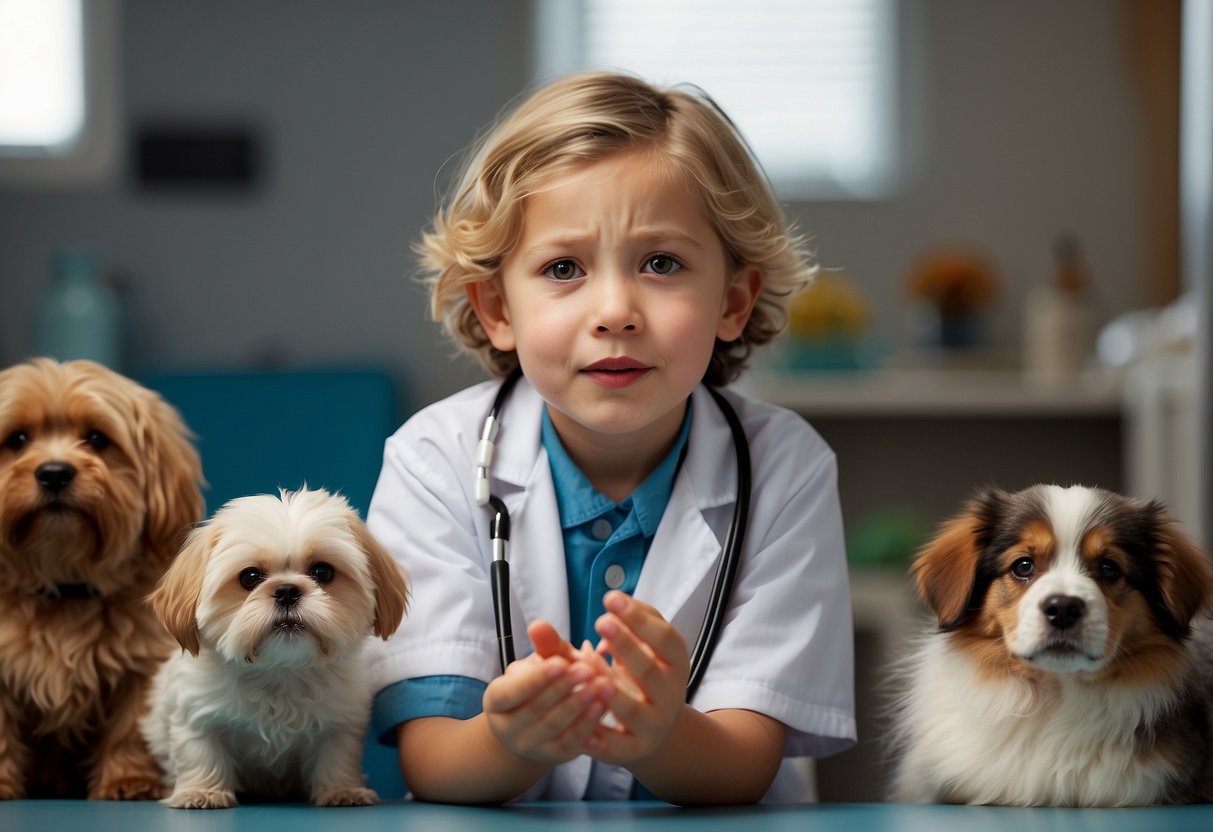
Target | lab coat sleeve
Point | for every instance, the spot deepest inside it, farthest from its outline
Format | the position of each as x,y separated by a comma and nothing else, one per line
787,646
423,513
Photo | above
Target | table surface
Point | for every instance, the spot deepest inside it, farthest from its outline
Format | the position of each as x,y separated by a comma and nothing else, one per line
400,816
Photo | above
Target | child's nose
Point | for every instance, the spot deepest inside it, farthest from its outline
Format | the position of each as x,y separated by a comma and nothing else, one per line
616,309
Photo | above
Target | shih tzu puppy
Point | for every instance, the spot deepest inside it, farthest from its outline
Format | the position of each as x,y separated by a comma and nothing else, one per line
272,601
99,483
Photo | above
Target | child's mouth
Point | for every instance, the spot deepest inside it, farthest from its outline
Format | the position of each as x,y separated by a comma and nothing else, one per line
616,372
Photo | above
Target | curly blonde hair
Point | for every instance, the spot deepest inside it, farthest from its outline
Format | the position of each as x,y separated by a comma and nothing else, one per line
584,118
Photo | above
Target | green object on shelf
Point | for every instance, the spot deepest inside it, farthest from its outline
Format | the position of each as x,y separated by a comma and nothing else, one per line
887,538
832,352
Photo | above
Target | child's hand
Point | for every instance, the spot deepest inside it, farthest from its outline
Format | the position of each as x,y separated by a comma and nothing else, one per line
651,668
548,643
546,705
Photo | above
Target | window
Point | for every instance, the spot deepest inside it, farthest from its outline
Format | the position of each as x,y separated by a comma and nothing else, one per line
811,84
58,91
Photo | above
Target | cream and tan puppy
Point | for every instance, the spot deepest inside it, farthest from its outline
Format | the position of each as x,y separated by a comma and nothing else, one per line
99,484
272,601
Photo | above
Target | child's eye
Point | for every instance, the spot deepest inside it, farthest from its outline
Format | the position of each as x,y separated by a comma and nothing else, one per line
662,264
563,270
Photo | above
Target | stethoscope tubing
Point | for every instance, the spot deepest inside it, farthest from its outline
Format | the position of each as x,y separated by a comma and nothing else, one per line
722,582
499,579
730,557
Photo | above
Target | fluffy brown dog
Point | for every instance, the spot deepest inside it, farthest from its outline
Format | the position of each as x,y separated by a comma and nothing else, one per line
98,485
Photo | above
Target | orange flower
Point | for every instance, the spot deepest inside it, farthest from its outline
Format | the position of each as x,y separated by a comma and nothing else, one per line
956,281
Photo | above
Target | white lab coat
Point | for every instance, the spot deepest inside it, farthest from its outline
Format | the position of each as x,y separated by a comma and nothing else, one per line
786,647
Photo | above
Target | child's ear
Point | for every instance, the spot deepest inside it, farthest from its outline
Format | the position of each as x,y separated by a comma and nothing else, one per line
739,300
488,302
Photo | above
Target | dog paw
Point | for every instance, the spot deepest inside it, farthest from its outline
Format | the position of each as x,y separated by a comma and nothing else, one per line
129,788
11,791
347,797
201,799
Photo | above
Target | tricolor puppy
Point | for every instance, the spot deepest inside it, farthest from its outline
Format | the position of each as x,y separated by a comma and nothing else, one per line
272,601
1072,664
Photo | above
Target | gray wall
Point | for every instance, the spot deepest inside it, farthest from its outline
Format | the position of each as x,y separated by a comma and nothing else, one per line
1029,120
360,103
1031,125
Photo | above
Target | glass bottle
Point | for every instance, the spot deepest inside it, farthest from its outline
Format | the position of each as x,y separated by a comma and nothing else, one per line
1059,318
78,316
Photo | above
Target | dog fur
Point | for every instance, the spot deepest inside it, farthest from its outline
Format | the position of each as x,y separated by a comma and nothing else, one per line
1072,661
99,483
272,601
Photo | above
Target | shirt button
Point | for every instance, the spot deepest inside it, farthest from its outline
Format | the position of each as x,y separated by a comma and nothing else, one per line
614,576
601,529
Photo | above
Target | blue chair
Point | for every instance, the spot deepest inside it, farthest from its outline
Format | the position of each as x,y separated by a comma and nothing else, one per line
259,430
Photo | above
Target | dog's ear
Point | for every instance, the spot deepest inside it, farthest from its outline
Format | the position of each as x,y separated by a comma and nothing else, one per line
173,474
1183,570
175,599
391,583
945,569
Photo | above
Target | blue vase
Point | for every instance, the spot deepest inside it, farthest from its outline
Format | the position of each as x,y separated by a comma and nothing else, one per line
78,316
960,330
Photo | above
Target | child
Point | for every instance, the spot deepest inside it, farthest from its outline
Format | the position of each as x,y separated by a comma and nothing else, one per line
617,244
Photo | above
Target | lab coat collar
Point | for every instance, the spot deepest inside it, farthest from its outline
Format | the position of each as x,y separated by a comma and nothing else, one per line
519,448
523,479
686,548
712,470
712,474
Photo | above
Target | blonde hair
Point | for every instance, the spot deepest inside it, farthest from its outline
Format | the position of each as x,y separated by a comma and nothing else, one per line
584,118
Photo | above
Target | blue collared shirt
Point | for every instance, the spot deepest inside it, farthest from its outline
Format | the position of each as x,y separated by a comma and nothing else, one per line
605,543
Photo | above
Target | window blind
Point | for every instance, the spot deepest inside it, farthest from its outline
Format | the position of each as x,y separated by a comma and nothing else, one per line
811,84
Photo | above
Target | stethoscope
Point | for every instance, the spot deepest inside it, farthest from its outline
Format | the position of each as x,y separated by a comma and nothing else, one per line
499,534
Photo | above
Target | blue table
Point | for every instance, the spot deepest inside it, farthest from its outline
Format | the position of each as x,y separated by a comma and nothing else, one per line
395,816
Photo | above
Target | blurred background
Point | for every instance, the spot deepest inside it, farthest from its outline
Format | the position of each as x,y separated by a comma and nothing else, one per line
1009,202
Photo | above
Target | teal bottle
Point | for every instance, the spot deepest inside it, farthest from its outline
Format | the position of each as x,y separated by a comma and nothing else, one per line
78,316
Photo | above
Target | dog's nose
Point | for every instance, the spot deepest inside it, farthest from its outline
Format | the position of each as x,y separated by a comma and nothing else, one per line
286,595
1063,611
54,475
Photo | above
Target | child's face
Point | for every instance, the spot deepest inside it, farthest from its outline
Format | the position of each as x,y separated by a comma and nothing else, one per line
614,296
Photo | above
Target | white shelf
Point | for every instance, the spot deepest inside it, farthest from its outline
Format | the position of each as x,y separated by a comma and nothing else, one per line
931,392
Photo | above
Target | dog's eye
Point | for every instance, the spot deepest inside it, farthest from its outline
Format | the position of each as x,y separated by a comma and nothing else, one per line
1109,570
97,440
322,573
1023,568
17,440
251,577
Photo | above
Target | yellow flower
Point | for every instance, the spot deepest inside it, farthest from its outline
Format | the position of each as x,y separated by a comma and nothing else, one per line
831,305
